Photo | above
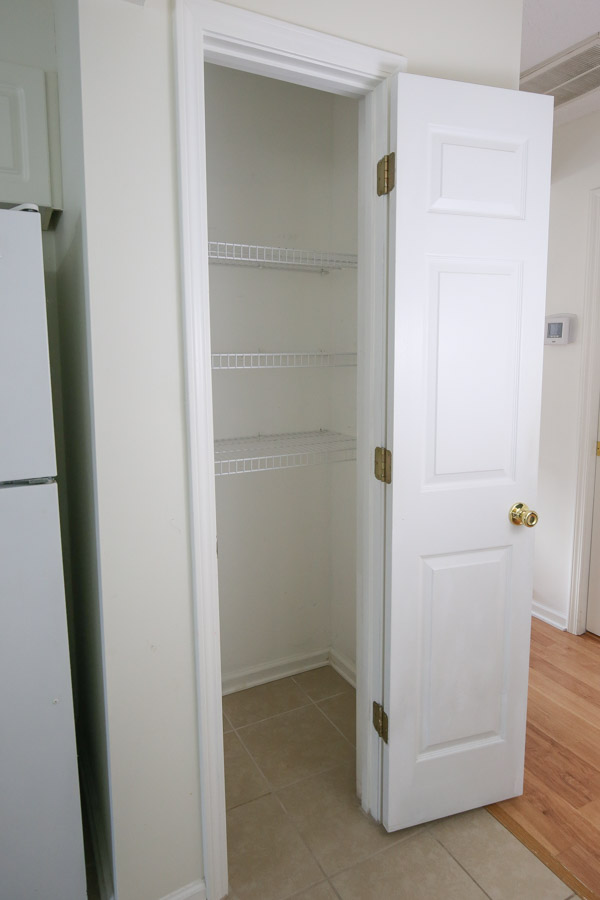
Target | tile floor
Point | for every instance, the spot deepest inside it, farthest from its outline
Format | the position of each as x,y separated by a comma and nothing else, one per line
296,830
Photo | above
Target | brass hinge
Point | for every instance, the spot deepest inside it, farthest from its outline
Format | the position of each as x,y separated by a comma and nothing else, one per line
383,465
380,721
598,449
386,174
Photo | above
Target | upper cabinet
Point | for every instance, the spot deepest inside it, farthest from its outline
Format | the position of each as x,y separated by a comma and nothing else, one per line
29,139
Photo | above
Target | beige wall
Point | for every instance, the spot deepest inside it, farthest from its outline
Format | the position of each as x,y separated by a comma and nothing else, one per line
137,381
575,173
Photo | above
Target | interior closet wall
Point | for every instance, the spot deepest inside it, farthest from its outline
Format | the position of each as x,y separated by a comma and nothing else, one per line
282,171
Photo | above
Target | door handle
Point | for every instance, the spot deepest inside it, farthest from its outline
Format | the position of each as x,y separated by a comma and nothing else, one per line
520,514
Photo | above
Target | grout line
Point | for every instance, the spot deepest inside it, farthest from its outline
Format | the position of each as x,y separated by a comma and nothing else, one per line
274,716
334,725
458,863
302,838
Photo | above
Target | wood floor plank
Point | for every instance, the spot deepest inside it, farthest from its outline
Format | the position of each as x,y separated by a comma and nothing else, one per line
585,864
587,691
591,812
565,727
564,823
558,816
577,783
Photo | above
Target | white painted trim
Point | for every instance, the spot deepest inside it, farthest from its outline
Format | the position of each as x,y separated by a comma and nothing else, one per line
242,679
225,34
253,43
203,526
343,665
97,835
371,394
539,611
194,891
252,676
589,400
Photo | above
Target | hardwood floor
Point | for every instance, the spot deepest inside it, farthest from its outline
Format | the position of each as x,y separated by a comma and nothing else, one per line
558,815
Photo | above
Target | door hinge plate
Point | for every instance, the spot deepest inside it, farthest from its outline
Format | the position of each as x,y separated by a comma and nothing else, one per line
386,174
380,721
598,448
383,465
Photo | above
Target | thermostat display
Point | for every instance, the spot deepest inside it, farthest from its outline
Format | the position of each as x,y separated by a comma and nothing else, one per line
560,329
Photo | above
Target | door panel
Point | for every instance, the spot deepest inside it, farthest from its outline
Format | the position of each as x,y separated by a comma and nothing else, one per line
27,429
469,219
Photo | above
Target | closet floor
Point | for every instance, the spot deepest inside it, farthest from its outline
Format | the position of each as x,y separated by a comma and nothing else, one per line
296,830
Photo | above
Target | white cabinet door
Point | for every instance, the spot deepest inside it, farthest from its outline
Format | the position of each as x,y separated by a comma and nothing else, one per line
469,217
27,429
24,150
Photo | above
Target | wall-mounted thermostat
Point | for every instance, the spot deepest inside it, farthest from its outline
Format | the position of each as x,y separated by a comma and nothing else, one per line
560,329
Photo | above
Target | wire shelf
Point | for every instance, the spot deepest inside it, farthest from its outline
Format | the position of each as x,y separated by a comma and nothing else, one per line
281,360
263,453
279,257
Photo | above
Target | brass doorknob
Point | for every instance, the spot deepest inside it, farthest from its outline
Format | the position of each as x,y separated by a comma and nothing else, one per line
520,514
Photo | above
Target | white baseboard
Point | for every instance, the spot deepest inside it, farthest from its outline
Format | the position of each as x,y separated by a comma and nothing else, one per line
194,891
281,668
549,615
97,835
343,665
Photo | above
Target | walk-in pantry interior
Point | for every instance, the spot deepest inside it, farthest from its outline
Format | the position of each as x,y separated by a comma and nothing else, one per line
282,225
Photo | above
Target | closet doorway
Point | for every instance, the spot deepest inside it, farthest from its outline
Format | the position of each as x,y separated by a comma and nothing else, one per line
465,232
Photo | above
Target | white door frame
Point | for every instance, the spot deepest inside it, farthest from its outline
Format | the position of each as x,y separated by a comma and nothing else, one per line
216,32
589,401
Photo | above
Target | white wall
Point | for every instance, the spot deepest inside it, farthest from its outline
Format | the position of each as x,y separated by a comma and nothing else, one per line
129,142
78,457
575,173
136,370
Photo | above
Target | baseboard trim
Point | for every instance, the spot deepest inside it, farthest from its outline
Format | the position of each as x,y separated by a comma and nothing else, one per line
99,848
281,668
196,890
343,665
549,615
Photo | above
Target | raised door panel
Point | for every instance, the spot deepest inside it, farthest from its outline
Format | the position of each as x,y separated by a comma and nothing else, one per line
24,150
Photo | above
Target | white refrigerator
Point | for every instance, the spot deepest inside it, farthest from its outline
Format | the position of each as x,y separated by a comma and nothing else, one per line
41,846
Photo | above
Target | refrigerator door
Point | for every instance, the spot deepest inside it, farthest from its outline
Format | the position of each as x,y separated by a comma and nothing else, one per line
41,845
26,433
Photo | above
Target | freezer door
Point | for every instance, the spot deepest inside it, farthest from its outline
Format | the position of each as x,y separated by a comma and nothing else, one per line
41,847
26,432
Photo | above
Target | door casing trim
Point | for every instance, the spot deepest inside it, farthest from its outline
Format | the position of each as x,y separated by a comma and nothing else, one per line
211,31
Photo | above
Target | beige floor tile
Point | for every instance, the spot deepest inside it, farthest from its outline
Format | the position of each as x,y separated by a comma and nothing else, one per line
267,858
322,683
416,869
243,781
226,724
263,701
322,891
295,745
327,814
342,712
498,862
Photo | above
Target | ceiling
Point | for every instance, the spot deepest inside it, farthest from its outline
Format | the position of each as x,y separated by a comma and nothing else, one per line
550,26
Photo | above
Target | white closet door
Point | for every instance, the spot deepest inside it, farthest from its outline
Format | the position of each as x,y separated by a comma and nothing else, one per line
469,217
